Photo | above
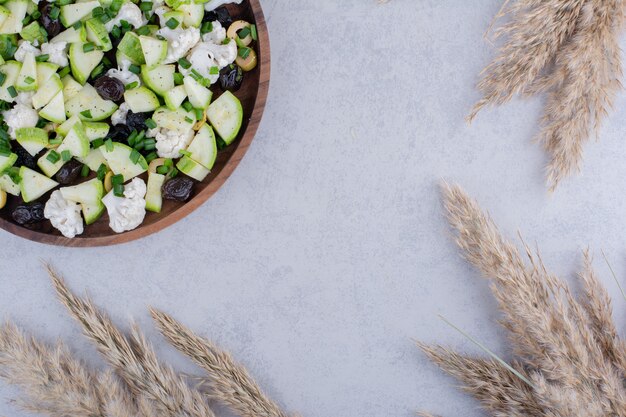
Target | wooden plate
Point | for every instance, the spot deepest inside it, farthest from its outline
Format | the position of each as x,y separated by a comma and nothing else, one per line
252,94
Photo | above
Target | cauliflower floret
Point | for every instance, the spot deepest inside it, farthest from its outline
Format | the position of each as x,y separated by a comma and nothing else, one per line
169,143
56,53
179,42
216,35
64,215
20,116
119,116
25,46
123,72
160,11
207,55
126,213
214,4
25,98
130,13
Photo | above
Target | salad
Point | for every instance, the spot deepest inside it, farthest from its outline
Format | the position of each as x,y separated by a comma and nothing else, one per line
110,105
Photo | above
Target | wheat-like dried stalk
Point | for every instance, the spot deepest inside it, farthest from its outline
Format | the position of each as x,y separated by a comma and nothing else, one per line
534,34
586,78
230,382
567,348
134,359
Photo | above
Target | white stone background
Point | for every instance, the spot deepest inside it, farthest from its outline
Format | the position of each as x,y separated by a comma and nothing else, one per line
326,252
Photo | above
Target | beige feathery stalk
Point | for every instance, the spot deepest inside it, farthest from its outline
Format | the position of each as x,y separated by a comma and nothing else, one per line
535,32
134,359
586,78
230,382
568,349
56,384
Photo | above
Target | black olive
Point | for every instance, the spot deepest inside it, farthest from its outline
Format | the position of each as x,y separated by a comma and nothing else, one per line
28,213
109,88
178,188
221,15
231,77
118,133
23,157
52,26
69,172
137,121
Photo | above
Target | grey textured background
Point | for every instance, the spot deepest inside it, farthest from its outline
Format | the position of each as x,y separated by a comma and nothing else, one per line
326,252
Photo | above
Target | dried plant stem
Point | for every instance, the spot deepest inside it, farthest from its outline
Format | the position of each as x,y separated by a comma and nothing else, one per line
134,359
230,382
536,31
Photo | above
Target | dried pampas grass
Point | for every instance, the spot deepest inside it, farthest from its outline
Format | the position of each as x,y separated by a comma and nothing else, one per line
569,360
54,383
569,49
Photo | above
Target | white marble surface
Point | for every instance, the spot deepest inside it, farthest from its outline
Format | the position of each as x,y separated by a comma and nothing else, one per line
326,252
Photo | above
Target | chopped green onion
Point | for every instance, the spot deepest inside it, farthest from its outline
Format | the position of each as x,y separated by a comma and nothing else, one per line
88,47
63,2
134,156
86,113
214,70
97,70
151,157
172,23
118,190
244,52
116,5
130,86
151,123
178,78
29,80
66,155
96,143
3,78
243,33
53,157
105,18
184,152
131,138
173,172
183,62
54,12
78,25
64,71
11,91
101,172
162,170
98,11
55,141
143,164
226,41
188,119
145,6
199,114
26,20
36,14
116,32
5,151
117,179
144,30
187,106
168,163
108,144
206,27
135,69
84,171
42,58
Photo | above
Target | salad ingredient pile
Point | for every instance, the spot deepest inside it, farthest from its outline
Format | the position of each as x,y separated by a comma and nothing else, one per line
114,105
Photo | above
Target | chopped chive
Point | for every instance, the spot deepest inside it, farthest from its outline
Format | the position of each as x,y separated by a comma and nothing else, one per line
134,156
243,33
161,38
173,172
78,25
214,70
36,14
86,113
96,143
118,190
84,171
11,91
178,78
29,80
54,12
151,123
149,146
244,52
116,32
187,106
98,11
151,157
172,23
135,69
206,27
199,114
5,151
3,78
88,47
143,164
42,58
55,141
116,5
144,30
145,6
140,135
64,71
226,41
26,20
183,62
162,170
117,179
131,138
254,33
139,144
105,18
66,155
101,172
188,119
63,2
53,157
97,70
108,144
132,85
